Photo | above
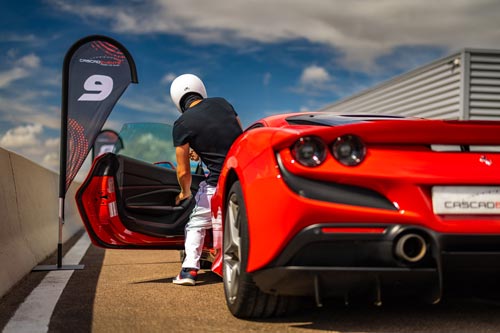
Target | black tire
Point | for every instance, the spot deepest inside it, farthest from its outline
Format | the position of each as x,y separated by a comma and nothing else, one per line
244,299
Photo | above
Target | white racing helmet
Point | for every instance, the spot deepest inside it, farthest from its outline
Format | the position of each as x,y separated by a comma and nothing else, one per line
185,84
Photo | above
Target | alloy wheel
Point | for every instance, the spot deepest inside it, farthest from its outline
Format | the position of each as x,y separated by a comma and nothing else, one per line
232,248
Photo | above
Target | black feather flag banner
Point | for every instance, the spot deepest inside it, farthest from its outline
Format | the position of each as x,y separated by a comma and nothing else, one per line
96,72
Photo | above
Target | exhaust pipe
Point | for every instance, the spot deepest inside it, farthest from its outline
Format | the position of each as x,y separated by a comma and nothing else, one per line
411,248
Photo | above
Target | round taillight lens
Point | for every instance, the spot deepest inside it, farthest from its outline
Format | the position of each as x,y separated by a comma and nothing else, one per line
309,151
349,150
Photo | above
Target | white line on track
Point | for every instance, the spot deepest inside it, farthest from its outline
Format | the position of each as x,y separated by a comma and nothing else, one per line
33,315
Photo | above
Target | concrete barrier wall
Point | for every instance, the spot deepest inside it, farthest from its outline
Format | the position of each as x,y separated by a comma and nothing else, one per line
29,216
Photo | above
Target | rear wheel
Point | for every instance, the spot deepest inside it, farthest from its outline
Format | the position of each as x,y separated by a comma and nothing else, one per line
244,299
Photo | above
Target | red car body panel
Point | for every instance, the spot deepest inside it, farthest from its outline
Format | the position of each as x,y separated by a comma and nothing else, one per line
107,207
105,227
399,165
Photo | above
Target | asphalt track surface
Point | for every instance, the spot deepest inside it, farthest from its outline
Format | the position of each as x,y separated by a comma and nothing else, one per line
132,291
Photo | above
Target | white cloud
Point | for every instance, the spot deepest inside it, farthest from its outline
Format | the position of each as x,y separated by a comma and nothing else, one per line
313,81
314,75
51,161
28,141
52,143
168,78
21,69
362,30
147,105
29,108
29,61
7,77
22,136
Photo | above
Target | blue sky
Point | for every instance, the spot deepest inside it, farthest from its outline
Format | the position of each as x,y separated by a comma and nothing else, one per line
265,57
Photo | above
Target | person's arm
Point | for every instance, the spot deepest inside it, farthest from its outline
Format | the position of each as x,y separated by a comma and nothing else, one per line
183,172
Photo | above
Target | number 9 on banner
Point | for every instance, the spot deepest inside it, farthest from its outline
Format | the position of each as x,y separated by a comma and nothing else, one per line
100,87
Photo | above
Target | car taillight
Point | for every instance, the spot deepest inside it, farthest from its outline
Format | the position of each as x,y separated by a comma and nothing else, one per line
309,151
349,150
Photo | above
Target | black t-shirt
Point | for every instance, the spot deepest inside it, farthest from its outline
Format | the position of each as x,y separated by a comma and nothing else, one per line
210,127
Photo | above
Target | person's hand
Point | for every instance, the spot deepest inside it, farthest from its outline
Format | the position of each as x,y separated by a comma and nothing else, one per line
193,156
181,197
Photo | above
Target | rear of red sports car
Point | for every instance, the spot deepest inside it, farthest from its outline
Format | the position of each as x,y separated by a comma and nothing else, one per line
323,205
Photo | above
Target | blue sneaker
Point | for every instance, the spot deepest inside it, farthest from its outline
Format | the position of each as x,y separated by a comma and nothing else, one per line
187,277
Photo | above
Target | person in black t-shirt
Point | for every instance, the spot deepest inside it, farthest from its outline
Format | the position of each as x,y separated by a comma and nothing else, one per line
208,126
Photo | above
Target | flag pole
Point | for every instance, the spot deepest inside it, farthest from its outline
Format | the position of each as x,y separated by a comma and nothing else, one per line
59,242
62,169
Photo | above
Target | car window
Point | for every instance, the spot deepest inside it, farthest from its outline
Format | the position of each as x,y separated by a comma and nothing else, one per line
254,126
149,142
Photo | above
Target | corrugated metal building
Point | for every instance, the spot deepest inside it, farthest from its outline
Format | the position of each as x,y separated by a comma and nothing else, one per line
464,85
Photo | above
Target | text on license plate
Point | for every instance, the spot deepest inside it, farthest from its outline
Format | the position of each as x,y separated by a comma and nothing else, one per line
466,199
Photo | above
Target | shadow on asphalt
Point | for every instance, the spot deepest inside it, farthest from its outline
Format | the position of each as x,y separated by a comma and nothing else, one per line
73,313
454,314
204,278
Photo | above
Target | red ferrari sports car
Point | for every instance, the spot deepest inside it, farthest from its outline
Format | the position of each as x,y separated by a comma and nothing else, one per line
323,205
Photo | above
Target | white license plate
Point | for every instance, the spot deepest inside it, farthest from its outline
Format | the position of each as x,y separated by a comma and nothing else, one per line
466,199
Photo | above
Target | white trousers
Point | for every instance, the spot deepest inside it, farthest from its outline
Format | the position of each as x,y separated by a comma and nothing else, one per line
200,220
